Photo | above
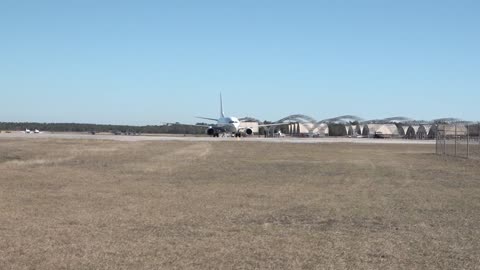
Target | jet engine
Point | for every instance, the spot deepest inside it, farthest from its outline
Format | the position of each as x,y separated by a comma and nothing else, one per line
210,131
249,131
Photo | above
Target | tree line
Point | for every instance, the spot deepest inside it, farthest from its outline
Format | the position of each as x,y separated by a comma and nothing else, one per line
75,127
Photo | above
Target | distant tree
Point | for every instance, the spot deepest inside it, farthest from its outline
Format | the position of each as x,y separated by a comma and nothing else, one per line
336,130
74,127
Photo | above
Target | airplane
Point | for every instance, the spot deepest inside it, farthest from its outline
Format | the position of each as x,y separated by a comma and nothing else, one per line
27,131
228,124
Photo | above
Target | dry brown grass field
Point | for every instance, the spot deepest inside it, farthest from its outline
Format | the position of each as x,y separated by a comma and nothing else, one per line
85,204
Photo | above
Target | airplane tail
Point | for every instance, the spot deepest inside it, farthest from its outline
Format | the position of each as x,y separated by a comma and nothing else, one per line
222,114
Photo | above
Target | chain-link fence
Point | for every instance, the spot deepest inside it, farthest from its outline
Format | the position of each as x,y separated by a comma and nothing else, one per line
458,140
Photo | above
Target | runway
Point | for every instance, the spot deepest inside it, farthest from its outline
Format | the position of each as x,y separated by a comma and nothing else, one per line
125,138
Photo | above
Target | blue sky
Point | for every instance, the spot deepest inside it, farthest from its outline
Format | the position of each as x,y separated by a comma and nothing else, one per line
147,62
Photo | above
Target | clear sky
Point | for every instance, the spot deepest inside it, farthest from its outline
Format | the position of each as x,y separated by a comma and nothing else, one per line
147,62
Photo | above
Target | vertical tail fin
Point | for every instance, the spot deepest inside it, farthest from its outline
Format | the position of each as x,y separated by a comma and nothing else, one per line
222,114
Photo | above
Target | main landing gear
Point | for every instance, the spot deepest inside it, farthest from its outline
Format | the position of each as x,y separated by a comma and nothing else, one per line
237,135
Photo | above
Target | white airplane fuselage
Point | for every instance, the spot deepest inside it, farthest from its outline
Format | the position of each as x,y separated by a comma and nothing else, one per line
229,124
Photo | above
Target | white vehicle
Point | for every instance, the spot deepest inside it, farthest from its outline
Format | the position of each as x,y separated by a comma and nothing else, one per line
279,134
228,124
28,131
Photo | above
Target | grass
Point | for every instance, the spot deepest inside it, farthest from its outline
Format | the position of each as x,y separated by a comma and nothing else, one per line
80,204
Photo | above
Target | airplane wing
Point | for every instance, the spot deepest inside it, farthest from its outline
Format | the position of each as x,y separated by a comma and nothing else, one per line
206,118
272,125
190,125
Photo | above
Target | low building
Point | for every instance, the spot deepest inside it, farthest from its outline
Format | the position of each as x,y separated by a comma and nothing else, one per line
387,131
370,129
